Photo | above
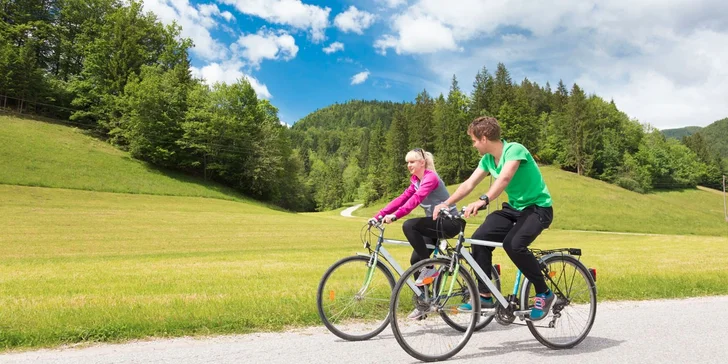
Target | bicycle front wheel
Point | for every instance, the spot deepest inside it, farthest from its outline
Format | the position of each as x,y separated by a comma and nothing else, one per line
418,309
484,318
572,314
352,305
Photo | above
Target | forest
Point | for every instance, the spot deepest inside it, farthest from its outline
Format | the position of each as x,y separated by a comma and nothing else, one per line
110,68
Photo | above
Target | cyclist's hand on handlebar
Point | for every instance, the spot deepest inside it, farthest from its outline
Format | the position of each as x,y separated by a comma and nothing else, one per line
472,209
373,221
436,210
388,219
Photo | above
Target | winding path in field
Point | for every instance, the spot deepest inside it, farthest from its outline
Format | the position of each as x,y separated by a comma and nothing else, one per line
347,212
676,331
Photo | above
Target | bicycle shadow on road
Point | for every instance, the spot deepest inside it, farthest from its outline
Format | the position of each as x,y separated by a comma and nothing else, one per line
589,345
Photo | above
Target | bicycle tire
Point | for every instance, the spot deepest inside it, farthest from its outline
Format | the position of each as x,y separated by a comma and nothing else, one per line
395,306
568,274
484,320
342,329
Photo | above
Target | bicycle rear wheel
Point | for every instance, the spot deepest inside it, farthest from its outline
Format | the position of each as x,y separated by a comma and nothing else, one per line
351,309
572,314
427,337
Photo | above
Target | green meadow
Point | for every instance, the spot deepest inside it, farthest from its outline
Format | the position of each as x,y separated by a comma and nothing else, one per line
98,247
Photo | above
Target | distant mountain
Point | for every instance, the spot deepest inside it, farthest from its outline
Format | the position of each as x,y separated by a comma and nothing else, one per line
350,114
716,134
679,133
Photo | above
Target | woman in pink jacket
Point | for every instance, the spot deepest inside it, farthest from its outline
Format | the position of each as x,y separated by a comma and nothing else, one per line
426,190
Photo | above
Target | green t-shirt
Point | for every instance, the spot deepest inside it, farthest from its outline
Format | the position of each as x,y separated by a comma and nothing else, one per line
527,186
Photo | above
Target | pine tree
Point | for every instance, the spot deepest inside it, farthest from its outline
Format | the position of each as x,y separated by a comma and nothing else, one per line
395,178
481,94
422,133
502,88
578,131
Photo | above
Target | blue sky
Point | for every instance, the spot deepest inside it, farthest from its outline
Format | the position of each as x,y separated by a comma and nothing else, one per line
662,62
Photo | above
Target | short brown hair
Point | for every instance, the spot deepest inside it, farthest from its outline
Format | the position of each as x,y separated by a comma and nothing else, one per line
485,126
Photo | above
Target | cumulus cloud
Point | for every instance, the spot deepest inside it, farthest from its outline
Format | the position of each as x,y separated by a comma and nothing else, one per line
266,44
334,47
360,78
354,20
661,62
392,3
196,23
292,13
227,72
209,10
417,34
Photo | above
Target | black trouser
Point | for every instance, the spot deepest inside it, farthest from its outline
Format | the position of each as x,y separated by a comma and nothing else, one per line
421,231
517,230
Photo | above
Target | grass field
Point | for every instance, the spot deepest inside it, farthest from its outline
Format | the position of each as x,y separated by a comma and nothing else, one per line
81,266
92,266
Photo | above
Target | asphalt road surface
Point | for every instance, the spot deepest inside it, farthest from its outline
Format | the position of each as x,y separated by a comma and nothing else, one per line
691,330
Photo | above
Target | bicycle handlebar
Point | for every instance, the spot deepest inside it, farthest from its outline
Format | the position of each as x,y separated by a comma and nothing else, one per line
379,219
446,212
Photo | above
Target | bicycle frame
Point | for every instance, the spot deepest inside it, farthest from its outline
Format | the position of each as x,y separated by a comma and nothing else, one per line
465,254
378,250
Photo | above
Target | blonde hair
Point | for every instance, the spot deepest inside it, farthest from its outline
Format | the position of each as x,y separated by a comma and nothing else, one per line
417,154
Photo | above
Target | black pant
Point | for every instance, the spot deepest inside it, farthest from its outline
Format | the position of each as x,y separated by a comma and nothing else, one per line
421,231
517,230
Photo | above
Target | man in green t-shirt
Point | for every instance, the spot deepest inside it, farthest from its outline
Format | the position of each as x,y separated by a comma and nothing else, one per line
526,214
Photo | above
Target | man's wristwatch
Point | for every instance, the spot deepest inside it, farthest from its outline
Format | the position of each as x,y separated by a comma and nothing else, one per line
485,198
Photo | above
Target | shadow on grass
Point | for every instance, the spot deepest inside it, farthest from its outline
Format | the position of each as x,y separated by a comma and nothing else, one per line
211,185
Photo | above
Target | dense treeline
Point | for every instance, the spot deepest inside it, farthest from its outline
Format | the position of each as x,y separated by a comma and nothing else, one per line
354,150
126,76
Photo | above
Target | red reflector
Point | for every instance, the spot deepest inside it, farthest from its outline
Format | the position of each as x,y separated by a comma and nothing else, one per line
593,272
497,268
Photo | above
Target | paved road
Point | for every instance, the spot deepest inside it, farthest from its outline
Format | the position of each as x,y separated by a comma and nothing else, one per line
682,331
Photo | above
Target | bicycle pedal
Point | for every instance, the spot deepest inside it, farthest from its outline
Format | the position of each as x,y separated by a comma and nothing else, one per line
487,312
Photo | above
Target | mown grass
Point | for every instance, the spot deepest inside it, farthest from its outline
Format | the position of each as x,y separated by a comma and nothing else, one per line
48,155
582,203
92,266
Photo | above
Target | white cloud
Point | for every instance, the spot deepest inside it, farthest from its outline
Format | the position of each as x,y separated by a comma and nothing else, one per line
392,3
417,34
196,23
266,44
229,72
360,77
354,20
293,13
661,62
209,10
334,47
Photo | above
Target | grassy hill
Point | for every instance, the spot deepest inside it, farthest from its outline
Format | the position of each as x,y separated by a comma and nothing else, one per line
679,133
47,155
